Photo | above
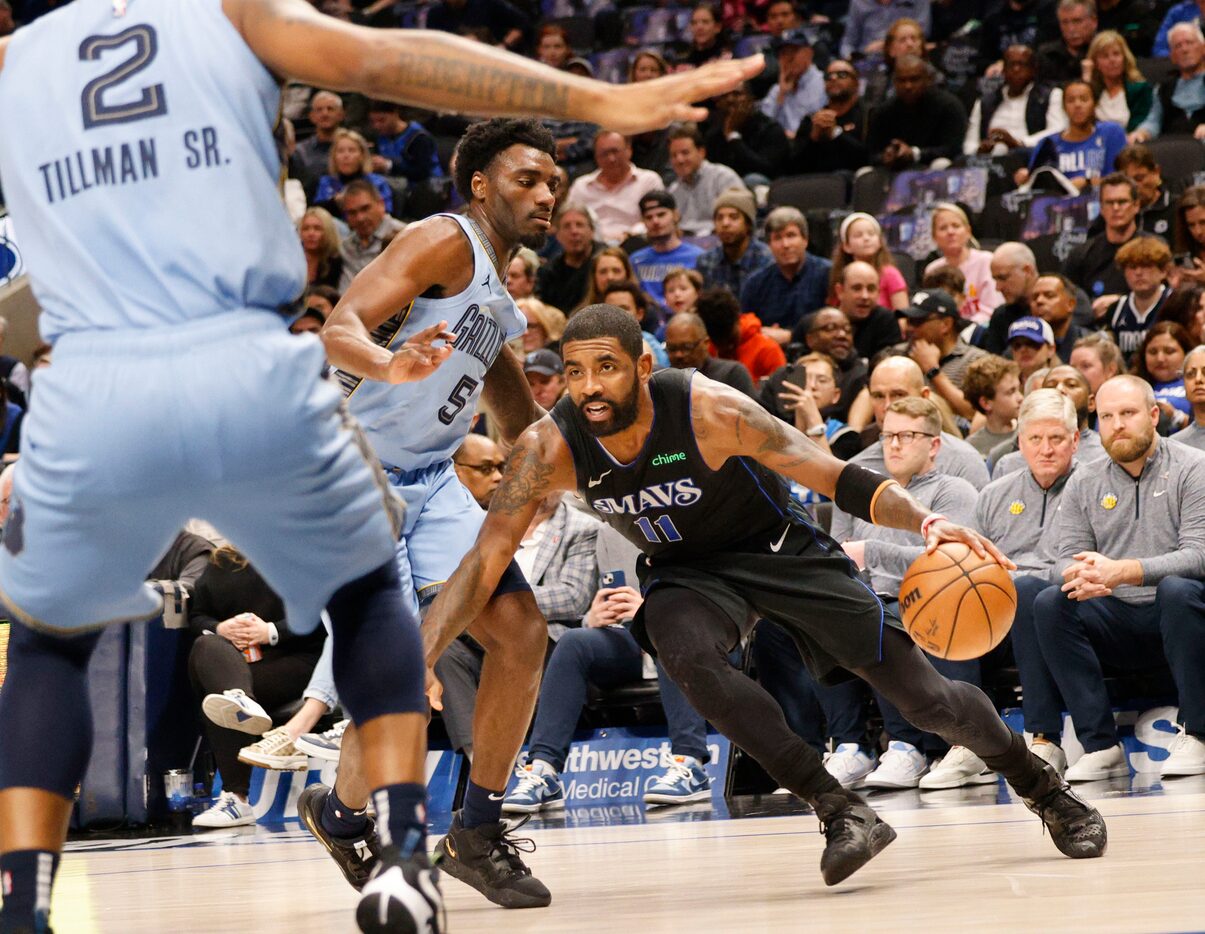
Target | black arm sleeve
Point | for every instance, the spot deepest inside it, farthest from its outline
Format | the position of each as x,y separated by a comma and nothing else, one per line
857,490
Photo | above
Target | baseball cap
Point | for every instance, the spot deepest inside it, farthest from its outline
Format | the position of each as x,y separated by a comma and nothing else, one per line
582,66
926,304
658,199
797,36
544,361
1034,330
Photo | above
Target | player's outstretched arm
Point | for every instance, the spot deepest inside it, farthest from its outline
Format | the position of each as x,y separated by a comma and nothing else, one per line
431,252
730,424
443,72
506,394
540,464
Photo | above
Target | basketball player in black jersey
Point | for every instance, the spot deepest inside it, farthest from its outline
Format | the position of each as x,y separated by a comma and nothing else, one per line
692,473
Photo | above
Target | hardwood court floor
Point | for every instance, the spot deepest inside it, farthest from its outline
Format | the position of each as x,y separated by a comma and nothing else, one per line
955,867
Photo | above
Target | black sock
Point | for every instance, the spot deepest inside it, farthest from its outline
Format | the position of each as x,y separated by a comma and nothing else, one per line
339,820
1020,768
26,877
402,817
481,806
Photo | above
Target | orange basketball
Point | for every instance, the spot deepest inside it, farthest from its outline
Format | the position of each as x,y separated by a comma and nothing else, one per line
955,604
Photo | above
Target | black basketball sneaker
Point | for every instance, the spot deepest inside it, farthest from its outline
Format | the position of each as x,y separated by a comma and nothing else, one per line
855,836
487,858
402,897
355,856
1076,827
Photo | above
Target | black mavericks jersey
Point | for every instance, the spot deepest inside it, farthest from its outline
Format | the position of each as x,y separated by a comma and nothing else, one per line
667,501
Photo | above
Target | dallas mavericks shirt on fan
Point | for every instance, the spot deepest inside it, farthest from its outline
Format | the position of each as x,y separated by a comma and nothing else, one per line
149,132
415,425
1089,158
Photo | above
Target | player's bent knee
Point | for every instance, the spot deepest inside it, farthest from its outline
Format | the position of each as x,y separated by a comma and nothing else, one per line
377,658
512,629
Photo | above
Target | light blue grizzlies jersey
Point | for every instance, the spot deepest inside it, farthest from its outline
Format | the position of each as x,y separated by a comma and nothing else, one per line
140,167
414,425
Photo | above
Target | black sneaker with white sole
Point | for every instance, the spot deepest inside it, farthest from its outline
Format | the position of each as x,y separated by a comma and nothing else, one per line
1076,827
402,897
355,856
487,858
855,835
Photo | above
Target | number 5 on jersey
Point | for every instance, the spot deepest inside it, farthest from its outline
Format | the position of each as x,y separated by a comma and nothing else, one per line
458,398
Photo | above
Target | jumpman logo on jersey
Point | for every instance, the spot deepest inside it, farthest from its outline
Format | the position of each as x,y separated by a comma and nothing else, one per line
486,283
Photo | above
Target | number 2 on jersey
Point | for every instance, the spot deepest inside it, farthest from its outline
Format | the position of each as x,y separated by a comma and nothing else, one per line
662,523
150,103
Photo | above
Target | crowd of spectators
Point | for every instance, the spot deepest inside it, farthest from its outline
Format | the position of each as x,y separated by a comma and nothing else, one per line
981,372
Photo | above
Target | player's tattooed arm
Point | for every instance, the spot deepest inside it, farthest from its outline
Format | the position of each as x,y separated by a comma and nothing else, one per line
728,424
539,465
439,71
507,396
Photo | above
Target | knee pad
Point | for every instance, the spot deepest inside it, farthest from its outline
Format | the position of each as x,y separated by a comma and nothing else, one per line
377,656
46,696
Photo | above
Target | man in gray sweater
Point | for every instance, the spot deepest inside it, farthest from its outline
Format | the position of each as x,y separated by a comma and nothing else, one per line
912,441
1194,389
1131,550
1017,511
900,378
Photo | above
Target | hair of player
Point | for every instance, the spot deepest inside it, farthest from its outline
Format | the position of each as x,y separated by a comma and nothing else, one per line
605,321
483,141
1048,404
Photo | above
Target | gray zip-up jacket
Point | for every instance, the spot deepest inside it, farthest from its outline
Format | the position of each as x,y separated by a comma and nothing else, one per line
1157,517
889,552
1018,516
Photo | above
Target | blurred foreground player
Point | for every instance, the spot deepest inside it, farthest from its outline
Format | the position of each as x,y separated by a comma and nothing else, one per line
174,363
692,473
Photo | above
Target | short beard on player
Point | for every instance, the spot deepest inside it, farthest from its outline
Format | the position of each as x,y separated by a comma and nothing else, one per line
534,241
623,414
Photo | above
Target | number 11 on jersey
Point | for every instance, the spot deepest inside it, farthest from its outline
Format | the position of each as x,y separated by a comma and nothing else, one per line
663,523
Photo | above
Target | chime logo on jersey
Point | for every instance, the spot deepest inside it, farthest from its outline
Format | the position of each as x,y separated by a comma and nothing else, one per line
658,496
478,335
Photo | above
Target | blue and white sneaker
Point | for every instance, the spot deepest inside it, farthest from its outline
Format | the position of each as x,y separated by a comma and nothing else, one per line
684,782
234,710
326,746
228,811
539,789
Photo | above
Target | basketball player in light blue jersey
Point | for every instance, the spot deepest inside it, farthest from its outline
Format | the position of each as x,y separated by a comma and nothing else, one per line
140,166
449,270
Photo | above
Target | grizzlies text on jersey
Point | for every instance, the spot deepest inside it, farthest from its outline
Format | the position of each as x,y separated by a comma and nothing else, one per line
414,425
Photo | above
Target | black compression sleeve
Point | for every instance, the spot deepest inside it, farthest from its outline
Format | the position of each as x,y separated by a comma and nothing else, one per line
857,490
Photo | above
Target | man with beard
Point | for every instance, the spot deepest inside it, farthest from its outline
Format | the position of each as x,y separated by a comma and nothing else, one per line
1194,390
1131,552
739,254
834,137
1070,382
921,124
446,266
694,474
829,332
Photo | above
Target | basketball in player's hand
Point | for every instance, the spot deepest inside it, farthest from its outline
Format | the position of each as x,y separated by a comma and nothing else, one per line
955,604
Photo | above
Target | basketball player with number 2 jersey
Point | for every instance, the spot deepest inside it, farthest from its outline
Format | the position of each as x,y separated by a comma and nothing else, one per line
695,475
142,171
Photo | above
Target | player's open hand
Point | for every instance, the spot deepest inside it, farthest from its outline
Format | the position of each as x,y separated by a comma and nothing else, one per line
419,357
943,530
650,105
435,691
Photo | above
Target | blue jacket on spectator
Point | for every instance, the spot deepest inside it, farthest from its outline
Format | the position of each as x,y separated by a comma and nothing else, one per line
781,302
412,153
331,185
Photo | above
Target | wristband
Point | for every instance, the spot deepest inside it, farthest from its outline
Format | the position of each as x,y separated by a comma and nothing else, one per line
858,490
928,521
932,373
